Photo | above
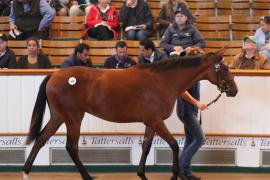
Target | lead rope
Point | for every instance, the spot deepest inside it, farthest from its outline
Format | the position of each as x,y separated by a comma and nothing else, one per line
209,104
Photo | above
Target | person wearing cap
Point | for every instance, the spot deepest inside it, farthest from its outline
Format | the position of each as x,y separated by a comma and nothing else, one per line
263,37
150,53
166,14
181,34
250,58
137,19
80,57
120,59
30,18
7,56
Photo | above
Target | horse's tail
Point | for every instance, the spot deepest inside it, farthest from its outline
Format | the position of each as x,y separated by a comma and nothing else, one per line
38,112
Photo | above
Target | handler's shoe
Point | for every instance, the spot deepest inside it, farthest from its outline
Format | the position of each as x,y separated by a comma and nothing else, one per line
185,177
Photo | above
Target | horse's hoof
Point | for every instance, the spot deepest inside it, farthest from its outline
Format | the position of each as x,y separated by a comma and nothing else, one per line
25,176
174,178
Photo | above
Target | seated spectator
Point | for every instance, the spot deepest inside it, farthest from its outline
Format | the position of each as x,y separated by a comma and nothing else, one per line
5,7
263,35
60,7
250,58
166,14
137,19
150,53
30,19
80,57
102,21
34,58
181,35
7,56
81,7
121,58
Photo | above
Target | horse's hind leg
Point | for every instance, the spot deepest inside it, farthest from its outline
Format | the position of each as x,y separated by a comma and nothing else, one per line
159,127
147,143
50,128
73,134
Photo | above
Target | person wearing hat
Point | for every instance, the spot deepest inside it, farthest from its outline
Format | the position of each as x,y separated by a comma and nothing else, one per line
166,14
30,18
7,56
250,58
181,36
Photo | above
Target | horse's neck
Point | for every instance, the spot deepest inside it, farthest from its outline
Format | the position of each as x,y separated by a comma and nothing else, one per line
180,79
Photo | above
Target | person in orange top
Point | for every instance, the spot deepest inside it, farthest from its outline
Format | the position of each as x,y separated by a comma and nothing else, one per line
102,21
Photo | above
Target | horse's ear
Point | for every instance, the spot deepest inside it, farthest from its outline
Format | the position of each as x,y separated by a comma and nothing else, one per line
220,53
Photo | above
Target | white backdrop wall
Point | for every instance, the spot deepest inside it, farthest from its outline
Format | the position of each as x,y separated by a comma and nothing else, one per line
247,113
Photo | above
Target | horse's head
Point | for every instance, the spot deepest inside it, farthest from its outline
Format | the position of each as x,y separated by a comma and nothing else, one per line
219,74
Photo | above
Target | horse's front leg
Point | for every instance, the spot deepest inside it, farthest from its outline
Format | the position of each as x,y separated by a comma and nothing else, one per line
147,143
159,127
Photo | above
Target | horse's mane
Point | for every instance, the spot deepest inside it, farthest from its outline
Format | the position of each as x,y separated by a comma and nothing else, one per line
188,61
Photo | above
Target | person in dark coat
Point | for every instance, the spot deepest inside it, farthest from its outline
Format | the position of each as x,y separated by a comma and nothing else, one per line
34,58
137,19
150,53
80,57
120,59
7,56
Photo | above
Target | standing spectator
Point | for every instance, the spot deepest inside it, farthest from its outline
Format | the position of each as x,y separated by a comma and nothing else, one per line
181,35
263,35
5,7
166,14
102,21
80,57
81,7
121,58
7,56
250,58
150,53
137,19
34,59
30,18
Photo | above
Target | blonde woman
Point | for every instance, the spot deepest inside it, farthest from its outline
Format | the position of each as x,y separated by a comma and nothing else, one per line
166,14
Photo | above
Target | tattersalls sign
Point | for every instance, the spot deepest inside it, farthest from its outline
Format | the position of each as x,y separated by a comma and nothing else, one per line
129,141
242,146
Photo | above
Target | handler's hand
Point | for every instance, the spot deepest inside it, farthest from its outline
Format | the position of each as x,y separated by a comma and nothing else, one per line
201,106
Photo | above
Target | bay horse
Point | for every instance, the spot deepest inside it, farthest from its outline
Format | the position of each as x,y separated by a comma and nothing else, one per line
142,93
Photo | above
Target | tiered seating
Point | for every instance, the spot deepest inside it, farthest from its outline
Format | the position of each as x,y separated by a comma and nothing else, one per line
260,8
4,24
19,47
223,20
214,27
64,27
244,26
231,7
202,8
